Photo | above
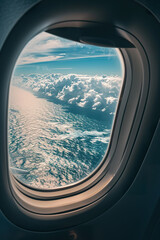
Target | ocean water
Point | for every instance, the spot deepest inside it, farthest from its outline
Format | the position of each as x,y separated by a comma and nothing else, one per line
52,144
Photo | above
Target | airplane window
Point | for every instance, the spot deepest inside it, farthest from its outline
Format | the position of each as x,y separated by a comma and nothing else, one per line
62,104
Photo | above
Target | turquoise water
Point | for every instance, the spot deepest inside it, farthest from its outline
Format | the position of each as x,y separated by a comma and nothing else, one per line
55,145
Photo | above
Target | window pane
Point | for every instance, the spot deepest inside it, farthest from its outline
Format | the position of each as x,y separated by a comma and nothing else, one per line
63,99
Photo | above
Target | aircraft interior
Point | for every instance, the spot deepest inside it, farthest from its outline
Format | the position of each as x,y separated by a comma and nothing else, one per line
80,120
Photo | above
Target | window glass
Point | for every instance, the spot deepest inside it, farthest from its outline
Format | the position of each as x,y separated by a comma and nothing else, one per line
62,103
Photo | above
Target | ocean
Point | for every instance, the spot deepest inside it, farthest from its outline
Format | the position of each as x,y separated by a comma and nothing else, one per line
54,144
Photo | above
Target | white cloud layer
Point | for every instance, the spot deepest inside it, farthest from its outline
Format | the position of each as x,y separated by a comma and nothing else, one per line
97,93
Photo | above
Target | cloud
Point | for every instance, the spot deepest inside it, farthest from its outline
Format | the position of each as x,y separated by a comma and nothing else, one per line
88,56
45,42
46,47
94,93
28,60
31,59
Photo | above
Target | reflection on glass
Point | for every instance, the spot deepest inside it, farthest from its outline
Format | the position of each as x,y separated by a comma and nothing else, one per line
63,98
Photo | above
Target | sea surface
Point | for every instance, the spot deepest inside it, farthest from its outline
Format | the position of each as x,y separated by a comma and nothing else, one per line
52,145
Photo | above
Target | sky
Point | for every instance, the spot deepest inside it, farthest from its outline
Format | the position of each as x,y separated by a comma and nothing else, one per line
47,53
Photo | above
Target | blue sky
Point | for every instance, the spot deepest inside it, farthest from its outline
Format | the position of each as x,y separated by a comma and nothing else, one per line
50,54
